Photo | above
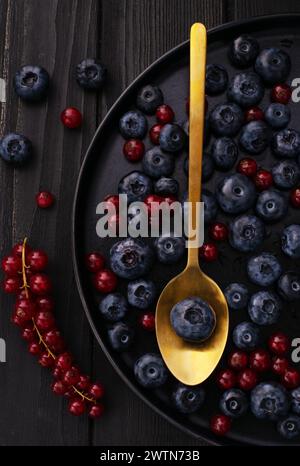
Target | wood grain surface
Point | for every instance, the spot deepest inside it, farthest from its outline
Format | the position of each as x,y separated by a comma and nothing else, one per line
127,35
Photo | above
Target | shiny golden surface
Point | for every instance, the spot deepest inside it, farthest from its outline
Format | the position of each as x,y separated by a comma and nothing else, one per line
190,363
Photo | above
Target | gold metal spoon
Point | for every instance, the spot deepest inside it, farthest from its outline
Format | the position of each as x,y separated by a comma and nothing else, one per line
190,363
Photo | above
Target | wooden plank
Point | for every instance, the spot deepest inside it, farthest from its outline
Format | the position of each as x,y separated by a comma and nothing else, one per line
238,9
133,34
56,35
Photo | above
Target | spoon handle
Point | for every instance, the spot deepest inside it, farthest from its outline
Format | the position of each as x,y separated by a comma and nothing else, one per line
196,125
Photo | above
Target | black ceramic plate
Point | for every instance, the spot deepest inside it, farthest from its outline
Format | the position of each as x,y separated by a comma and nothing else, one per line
104,165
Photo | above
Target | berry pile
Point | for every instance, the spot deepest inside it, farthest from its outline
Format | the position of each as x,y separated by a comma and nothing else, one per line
25,277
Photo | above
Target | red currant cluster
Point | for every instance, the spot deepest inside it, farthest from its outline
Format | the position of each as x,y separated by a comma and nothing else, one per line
24,276
244,370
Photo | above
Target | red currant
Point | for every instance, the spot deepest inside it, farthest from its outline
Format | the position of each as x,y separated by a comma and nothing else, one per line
44,199
147,321
59,388
57,373
220,424
34,348
54,340
94,262
71,376
209,252
46,360
218,231
134,150
96,390
281,93
11,265
29,334
12,285
18,249
37,260
96,411
25,294
70,393
295,197
19,320
105,281
280,364
279,343
71,117
154,133
77,406
247,167
260,360
164,114
114,200
45,303
247,379
44,320
40,284
254,113
64,361
263,179
238,360
25,309
291,378
83,383
226,379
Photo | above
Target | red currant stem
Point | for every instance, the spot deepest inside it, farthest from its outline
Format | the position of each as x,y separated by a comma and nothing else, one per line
41,340
24,267
84,397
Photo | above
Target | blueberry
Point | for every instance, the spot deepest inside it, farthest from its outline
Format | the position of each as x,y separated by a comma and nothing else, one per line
136,185
133,125
263,269
157,163
234,403
113,307
172,138
226,119
290,241
224,152
235,194
286,143
289,286
289,427
91,74
165,186
207,166
246,233
15,148
150,371
120,336
188,399
243,51
210,205
141,293
169,248
131,258
246,89
193,319
295,400
236,295
278,115
273,65
31,83
246,336
216,79
264,308
286,174
149,98
271,205
269,400
254,137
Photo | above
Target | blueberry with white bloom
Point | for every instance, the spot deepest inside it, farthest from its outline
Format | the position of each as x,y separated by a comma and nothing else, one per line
290,241
264,308
237,296
263,269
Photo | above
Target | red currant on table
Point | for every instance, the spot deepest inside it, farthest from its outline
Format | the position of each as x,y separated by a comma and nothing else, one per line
59,388
96,390
263,179
96,411
279,343
238,360
64,361
280,364
77,406
247,379
134,150
71,117
218,231
114,200
164,114
44,320
208,252
260,360
94,262
46,360
247,167
44,199
37,260
281,93
40,284
105,281
45,303
12,285
147,321
11,265
226,379
220,424
154,133
254,113
295,197
291,378
71,376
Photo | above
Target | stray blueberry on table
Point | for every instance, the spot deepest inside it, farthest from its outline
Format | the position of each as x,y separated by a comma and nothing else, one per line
15,148
246,233
216,79
234,403
188,399
289,286
254,137
149,98
141,293
120,336
264,308
246,336
172,138
113,307
237,296
133,125
150,371
136,185
31,83
273,65
263,269
269,400
243,51
286,174
131,258
226,119
91,74
246,89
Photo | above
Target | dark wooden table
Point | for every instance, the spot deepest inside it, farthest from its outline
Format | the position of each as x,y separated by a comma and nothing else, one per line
127,35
